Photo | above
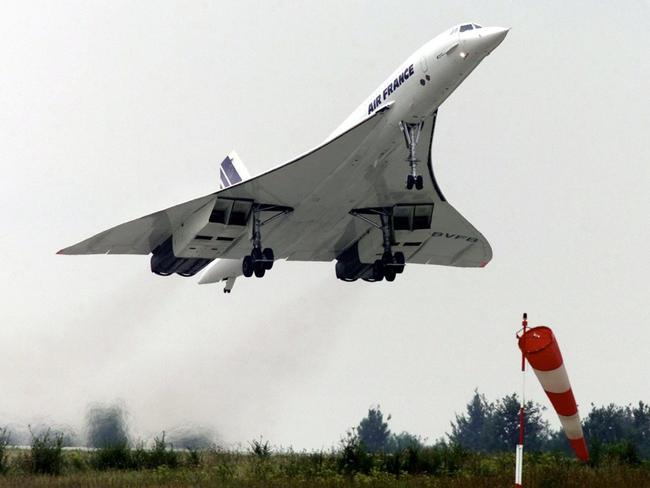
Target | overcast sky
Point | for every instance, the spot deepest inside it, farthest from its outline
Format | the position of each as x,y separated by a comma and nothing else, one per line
112,110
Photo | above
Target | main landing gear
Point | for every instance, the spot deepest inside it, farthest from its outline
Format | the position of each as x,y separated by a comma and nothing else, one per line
260,260
391,264
411,137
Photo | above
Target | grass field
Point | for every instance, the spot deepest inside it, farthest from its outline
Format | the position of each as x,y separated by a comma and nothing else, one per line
436,468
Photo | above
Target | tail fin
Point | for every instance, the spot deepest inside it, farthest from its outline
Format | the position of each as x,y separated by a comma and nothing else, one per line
232,171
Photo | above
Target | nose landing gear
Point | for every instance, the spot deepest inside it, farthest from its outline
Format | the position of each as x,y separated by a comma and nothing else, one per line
411,137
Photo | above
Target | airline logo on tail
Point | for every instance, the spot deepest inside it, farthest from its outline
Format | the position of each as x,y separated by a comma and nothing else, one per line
232,171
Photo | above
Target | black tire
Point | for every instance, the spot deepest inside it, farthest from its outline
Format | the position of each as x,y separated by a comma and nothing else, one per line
410,181
419,182
390,273
268,256
387,258
260,269
256,254
400,262
340,271
378,271
247,266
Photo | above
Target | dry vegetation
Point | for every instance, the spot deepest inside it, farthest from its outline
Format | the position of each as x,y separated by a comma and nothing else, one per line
431,467
369,456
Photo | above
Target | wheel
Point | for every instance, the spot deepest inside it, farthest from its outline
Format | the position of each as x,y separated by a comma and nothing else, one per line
260,269
400,261
390,273
378,271
268,256
247,266
340,271
419,182
410,181
387,258
256,254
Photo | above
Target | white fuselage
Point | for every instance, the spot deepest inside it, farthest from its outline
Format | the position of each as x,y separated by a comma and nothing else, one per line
421,83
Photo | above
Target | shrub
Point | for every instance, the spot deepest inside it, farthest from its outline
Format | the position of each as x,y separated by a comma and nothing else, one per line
122,457
162,454
353,457
625,452
438,459
4,442
260,450
46,456
77,461
193,458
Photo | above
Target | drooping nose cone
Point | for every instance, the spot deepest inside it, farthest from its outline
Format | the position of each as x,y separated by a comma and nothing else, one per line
490,37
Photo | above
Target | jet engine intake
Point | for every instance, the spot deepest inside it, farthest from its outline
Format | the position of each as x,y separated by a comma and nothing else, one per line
349,267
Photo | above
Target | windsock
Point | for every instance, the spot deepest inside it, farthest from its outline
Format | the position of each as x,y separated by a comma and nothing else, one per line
540,348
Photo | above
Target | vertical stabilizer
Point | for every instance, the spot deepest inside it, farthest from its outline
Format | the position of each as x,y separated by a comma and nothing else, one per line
232,171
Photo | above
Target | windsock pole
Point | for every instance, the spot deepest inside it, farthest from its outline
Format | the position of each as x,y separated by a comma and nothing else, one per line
519,453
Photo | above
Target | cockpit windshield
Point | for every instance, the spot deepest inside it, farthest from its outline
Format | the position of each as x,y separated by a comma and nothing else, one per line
465,28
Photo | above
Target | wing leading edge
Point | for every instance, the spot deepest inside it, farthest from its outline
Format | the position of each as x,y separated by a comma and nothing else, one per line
145,234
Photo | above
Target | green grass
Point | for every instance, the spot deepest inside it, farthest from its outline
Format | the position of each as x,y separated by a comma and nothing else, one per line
214,468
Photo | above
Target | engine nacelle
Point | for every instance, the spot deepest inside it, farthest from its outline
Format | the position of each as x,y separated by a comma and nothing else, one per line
164,262
349,266
202,237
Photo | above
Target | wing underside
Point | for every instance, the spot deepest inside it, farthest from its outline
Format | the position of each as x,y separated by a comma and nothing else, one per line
139,236
315,194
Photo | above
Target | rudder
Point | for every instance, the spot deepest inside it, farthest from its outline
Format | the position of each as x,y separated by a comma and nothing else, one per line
232,171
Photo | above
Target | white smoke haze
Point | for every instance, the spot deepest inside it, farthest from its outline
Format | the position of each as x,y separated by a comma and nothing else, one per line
111,111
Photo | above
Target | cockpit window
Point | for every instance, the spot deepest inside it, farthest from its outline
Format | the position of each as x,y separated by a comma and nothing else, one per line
466,27
476,26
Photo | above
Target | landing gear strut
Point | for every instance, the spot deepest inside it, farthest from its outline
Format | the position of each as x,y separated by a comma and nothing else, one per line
260,260
391,264
411,137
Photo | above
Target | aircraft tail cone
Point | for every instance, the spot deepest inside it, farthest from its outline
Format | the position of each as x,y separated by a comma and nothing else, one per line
542,351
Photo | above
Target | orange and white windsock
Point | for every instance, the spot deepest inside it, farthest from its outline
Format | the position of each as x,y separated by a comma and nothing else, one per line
540,348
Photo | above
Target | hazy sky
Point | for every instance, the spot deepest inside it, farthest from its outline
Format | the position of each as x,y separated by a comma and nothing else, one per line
112,110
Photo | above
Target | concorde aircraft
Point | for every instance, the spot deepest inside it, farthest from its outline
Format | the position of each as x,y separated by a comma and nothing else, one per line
367,197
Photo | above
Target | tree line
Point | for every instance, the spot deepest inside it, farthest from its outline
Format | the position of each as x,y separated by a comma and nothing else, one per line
493,427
